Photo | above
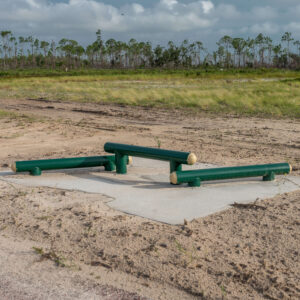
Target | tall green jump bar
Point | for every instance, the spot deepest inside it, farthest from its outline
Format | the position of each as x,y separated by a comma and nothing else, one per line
35,167
176,158
195,177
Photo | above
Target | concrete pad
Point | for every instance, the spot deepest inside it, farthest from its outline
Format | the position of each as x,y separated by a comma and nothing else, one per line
145,191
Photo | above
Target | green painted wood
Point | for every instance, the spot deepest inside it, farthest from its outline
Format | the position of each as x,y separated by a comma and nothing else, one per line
176,158
145,152
36,171
269,177
194,177
175,166
121,163
195,183
36,166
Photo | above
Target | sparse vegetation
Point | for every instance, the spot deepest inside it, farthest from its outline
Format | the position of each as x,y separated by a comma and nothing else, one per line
50,255
248,94
6,114
17,116
158,141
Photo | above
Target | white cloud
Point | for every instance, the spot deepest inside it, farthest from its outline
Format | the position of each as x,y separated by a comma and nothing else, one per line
32,3
138,8
228,11
264,13
207,6
294,11
265,28
293,27
90,15
169,3
163,20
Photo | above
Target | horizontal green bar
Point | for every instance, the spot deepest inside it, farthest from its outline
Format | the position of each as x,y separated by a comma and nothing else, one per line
151,153
63,163
229,173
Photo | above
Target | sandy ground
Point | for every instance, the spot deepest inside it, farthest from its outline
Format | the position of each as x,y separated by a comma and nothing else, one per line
86,250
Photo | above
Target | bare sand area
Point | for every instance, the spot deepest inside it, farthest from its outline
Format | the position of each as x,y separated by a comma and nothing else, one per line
56,244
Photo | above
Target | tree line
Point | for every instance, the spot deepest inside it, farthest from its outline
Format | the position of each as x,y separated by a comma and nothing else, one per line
231,52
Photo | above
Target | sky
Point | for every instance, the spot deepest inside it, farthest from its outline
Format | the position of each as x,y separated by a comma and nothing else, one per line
157,21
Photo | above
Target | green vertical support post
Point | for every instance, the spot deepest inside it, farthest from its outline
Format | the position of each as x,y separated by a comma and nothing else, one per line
175,166
195,183
269,177
35,171
110,166
121,163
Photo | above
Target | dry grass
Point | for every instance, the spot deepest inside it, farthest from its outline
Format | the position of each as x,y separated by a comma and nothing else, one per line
277,97
20,117
6,114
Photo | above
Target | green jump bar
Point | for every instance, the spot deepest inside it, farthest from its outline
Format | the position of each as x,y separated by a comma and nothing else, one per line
195,177
35,167
176,158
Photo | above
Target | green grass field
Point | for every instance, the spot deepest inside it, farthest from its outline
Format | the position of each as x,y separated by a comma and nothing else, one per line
262,93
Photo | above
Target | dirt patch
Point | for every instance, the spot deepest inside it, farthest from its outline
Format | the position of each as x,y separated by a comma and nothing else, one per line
242,253
23,276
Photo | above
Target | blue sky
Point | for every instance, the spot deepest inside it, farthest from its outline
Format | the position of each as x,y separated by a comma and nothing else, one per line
157,21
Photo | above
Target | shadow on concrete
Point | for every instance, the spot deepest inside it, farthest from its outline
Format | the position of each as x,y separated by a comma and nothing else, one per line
113,181
145,183
6,173
139,184
60,171
157,185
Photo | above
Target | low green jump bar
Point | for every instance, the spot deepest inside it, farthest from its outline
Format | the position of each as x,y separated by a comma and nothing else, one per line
195,177
35,167
176,158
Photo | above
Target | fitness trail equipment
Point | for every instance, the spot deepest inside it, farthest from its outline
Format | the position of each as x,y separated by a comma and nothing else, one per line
122,157
195,177
176,158
35,167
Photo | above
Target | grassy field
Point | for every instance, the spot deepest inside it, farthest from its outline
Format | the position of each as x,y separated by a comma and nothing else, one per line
267,93
209,72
